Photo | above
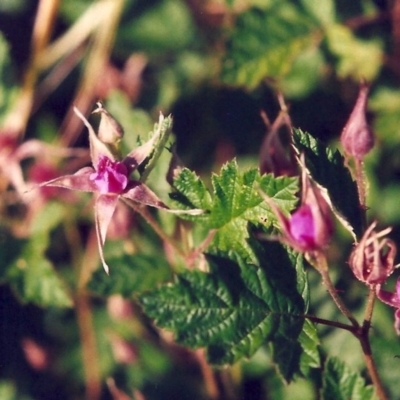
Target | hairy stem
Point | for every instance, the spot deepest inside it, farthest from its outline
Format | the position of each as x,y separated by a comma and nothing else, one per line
322,267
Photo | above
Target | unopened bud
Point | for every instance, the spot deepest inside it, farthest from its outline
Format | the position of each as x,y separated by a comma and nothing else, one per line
311,227
372,260
110,130
357,138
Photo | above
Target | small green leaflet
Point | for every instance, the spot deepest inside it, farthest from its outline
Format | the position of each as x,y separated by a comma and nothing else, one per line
232,310
234,203
340,383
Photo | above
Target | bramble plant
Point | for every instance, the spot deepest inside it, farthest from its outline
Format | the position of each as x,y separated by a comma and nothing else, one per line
246,258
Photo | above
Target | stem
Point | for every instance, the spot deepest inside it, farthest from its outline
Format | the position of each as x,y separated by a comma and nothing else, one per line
369,309
328,322
144,212
322,268
89,350
361,184
208,376
371,367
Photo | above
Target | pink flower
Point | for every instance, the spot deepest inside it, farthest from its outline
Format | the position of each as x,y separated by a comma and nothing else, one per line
110,180
392,299
110,177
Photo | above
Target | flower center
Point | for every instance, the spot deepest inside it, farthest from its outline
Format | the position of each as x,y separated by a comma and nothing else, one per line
110,176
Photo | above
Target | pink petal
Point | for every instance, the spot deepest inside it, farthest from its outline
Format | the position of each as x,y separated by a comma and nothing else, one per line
140,193
110,176
389,298
78,181
104,209
97,147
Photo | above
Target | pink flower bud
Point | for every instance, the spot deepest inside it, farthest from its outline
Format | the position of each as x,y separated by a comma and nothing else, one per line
110,176
110,130
310,228
357,138
372,260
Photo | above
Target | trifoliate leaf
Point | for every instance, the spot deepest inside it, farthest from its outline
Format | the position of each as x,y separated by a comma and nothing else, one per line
234,203
232,310
328,168
340,383
265,43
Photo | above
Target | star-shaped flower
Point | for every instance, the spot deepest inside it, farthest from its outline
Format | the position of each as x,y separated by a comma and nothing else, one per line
110,180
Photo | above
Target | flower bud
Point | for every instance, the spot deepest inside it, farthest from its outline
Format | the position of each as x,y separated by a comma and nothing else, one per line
311,227
357,138
110,130
372,260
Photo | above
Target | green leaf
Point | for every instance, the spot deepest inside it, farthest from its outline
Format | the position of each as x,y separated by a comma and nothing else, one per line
130,274
340,383
163,26
309,342
235,203
33,277
357,59
7,78
264,44
328,168
323,11
232,310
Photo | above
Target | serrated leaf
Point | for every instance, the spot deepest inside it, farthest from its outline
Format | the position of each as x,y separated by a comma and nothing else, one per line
34,279
265,44
340,383
232,310
235,203
328,168
131,274
309,342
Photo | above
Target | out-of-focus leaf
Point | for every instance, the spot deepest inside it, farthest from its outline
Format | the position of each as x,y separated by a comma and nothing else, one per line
165,26
34,279
264,44
356,58
236,201
305,74
7,78
9,392
324,11
385,103
232,310
130,275
340,383
327,167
